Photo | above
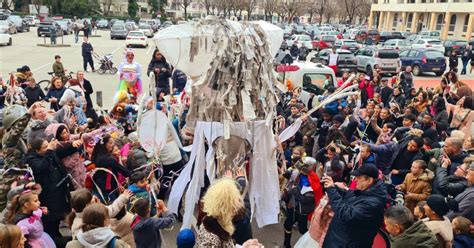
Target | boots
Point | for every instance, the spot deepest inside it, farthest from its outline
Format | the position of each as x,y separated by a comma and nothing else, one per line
287,242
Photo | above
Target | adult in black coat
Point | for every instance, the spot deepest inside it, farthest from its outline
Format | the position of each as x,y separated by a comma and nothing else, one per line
358,214
162,70
453,61
33,92
408,150
102,157
450,185
87,86
453,149
429,130
43,158
87,50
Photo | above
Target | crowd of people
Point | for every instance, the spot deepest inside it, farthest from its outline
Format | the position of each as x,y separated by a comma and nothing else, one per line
390,158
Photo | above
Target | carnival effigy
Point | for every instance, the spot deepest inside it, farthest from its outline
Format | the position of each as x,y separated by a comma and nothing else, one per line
233,100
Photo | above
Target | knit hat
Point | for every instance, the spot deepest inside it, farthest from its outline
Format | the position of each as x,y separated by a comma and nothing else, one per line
306,165
438,204
369,170
338,118
185,239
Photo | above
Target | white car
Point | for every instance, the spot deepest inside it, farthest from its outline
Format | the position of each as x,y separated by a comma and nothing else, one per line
397,44
146,29
428,44
300,39
5,39
136,38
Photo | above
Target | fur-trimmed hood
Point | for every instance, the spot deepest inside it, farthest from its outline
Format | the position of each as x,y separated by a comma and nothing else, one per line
212,225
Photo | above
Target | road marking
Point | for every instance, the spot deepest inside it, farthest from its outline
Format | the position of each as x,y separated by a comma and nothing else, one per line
37,68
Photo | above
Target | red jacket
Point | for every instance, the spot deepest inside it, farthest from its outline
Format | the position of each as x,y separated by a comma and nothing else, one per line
316,186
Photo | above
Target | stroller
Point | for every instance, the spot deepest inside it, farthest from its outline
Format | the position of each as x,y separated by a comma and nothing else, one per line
106,63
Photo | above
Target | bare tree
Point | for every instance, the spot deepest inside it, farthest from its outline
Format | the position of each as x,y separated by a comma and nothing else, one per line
249,7
210,6
183,4
37,4
352,7
270,7
292,8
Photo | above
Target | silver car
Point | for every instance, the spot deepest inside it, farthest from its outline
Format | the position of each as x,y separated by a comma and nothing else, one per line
370,58
118,31
7,27
21,25
146,29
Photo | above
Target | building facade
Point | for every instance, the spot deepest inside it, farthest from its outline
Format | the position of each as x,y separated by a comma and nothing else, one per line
454,19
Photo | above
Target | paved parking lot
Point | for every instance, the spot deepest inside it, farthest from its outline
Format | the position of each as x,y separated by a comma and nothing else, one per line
25,51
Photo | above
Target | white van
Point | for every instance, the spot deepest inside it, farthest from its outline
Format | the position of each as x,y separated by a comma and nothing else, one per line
310,77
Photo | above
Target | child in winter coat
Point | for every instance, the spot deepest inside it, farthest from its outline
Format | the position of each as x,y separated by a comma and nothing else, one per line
83,198
140,188
26,213
417,184
145,228
95,233
121,223
462,235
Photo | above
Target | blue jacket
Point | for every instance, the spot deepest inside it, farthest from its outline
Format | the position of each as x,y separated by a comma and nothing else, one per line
463,241
383,155
358,215
143,193
146,231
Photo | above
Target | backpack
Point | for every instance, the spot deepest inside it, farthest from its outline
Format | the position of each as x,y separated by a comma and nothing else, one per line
305,202
112,242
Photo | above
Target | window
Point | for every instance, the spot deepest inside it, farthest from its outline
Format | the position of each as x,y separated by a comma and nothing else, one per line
452,23
404,53
395,20
466,21
409,20
313,82
412,53
439,22
434,54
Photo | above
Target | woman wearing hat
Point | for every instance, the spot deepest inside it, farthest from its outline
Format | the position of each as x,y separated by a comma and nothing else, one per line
437,206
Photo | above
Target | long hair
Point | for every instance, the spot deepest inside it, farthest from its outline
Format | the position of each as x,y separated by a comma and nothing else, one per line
163,59
222,201
100,148
17,202
94,216
79,200
11,236
439,104
52,87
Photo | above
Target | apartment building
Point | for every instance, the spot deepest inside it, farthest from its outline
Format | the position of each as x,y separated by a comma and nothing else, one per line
454,19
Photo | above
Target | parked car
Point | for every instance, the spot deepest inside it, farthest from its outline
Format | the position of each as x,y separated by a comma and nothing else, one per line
136,38
21,25
166,24
429,44
454,45
384,36
7,27
347,44
103,24
323,42
131,26
346,60
146,29
65,27
300,39
397,44
424,60
31,20
310,77
363,36
118,31
430,34
413,38
5,39
405,34
154,24
386,60
44,28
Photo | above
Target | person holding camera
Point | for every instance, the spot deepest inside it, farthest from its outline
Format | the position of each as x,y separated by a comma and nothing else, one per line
357,213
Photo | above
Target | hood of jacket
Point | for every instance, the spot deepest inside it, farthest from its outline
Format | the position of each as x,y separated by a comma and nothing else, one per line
39,124
99,237
52,129
419,234
427,175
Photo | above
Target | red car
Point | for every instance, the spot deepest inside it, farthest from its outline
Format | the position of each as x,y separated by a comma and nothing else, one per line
323,42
